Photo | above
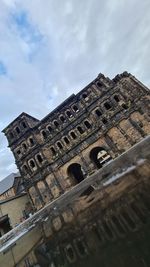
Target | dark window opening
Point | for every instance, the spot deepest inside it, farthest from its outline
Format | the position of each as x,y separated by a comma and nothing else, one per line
104,120
24,125
124,106
75,108
84,96
11,135
118,225
32,164
107,105
80,129
39,158
87,124
66,140
128,220
99,84
116,98
44,134
69,114
75,171
140,124
24,146
59,145
99,156
49,129
56,123
98,113
18,152
73,135
62,118
53,151
17,130
31,141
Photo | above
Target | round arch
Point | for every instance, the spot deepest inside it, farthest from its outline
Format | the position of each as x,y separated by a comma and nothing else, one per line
76,172
99,156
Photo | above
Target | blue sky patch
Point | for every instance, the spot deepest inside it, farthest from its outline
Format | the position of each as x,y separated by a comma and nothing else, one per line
3,70
27,31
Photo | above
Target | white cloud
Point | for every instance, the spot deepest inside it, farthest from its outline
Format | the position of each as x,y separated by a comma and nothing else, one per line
60,46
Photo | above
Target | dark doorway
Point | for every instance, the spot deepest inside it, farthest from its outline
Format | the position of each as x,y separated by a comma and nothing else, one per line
99,156
75,171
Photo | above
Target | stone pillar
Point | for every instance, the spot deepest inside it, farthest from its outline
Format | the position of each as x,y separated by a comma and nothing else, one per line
48,189
39,195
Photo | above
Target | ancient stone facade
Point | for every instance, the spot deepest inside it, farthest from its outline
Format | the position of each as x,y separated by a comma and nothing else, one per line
88,129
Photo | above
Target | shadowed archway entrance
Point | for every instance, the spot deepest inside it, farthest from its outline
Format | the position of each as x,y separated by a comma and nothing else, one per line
76,172
99,156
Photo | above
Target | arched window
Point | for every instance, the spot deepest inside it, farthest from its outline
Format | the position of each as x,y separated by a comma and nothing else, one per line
18,152
99,84
80,129
32,164
56,124
107,105
17,130
44,134
75,108
24,146
85,96
99,156
31,141
116,98
87,124
25,169
39,158
98,112
62,118
75,171
73,135
66,140
59,145
49,128
69,114
53,151
24,125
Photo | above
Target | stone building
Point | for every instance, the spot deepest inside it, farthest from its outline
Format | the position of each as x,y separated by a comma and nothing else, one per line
81,135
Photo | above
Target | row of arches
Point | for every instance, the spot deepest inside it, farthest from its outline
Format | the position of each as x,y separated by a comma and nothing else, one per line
24,146
99,157
107,105
33,163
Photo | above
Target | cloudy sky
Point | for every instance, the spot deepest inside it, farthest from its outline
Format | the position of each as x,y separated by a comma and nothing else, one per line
52,48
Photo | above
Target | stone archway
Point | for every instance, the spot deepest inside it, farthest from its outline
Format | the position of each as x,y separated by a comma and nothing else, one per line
99,156
76,172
